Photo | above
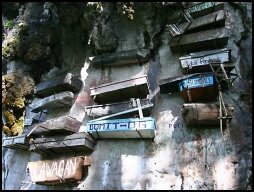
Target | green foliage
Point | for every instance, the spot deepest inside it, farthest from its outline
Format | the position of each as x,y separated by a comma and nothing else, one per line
8,25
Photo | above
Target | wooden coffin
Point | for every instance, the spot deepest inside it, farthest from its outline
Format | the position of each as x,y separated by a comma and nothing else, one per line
76,142
58,171
123,57
118,109
17,142
63,99
199,61
199,10
121,90
204,114
59,84
201,87
122,128
56,126
216,19
208,39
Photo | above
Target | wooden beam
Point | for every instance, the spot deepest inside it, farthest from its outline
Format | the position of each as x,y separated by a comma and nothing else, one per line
17,142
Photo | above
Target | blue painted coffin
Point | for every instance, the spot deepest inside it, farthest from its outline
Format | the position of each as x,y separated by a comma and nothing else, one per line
197,81
122,128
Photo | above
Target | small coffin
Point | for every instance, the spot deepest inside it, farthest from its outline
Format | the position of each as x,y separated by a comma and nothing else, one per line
201,87
208,39
60,125
59,84
122,128
64,99
77,142
96,111
17,142
58,170
121,91
199,61
123,57
205,114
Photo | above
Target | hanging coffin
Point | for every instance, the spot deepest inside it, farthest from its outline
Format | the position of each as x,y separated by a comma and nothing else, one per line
208,39
122,128
59,84
76,142
199,61
64,99
205,114
118,109
56,126
216,19
202,87
17,142
58,171
121,91
123,57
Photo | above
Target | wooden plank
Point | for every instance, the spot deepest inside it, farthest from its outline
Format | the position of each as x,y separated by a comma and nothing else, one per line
123,57
17,142
97,111
122,128
208,39
76,142
66,82
204,114
57,171
216,19
121,90
60,125
63,99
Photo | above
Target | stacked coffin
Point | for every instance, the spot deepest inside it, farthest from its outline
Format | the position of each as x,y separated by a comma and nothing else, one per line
118,102
203,70
205,30
59,134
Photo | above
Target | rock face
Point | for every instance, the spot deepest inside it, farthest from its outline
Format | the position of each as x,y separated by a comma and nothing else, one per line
52,38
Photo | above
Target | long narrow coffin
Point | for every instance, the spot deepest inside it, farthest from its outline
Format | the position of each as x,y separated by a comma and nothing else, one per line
58,171
17,142
59,84
76,142
97,111
122,128
205,114
64,99
60,125
121,91
123,57
208,39
216,19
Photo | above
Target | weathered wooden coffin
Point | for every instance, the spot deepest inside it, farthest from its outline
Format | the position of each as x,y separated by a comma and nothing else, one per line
59,84
17,142
201,87
205,114
122,128
121,108
216,19
199,10
121,90
58,171
208,39
63,99
56,126
123,57
199,61
76,142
